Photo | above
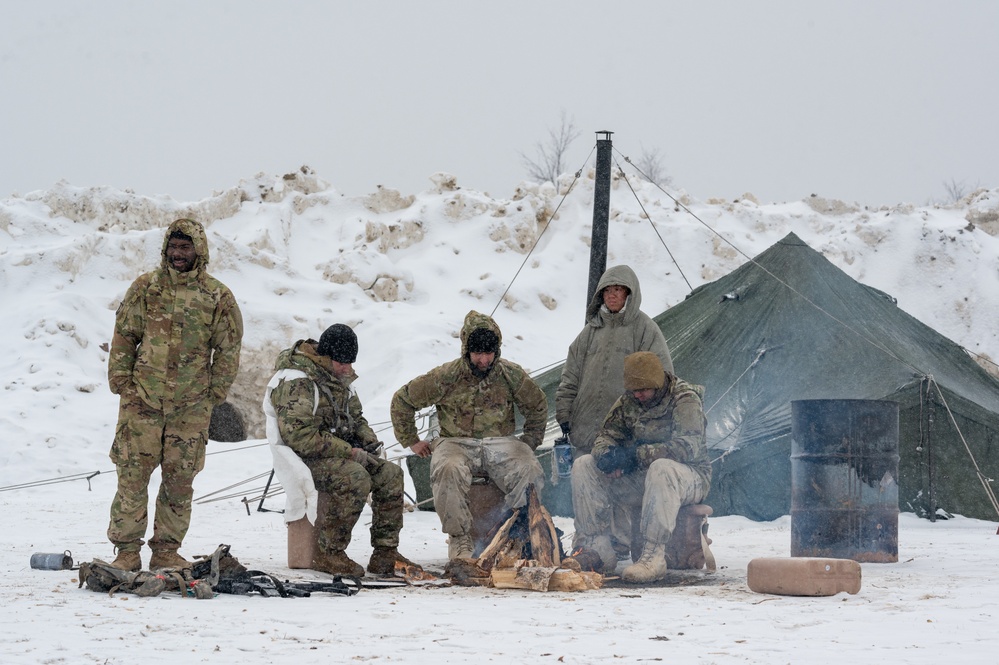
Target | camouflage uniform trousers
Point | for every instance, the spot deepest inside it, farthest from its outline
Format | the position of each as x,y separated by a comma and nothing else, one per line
660,491
348,484
146,438
509,462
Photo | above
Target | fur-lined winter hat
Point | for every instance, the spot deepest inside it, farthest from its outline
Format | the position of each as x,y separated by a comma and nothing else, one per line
339,343
643,370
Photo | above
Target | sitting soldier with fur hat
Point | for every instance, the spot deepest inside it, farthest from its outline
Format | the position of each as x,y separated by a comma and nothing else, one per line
651,452
318,415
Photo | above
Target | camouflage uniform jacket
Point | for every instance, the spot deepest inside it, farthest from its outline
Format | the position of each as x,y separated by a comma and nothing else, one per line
177,336
469,406
593,374
329,429
671,426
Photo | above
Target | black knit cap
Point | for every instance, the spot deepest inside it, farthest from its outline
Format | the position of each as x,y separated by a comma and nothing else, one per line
339,343
483,340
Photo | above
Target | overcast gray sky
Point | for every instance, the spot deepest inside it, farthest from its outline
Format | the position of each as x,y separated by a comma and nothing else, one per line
876,102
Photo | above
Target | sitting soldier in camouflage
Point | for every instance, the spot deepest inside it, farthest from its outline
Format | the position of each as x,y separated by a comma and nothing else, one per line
319,417
475,397
651,452
174,355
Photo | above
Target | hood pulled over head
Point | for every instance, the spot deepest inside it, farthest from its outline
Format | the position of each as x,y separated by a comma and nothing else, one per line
621,275
480,334
196,232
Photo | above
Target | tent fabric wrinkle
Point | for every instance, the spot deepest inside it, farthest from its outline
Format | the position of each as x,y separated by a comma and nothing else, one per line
802,329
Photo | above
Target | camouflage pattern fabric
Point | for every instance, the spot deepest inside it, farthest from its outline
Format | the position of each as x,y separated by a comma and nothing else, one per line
667,435
469,406
593,374
174,355
348,484
477,421
145,438
671,426
659,491
324,440
338,423
177,336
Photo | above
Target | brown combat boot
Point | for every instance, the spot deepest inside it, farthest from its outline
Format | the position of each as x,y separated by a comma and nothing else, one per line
129,560
337,563
459,546
651,567
383,560
168,559
602,546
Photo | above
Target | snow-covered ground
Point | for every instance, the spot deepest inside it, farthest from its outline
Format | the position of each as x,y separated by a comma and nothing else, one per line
403,270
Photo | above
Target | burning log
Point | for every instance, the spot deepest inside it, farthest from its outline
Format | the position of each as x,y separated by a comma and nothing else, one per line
583,559
466,572
542,578
412,573
502,547
545,545
529,534
526,553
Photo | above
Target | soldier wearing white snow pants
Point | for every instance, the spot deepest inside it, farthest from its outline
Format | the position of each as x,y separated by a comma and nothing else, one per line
652,452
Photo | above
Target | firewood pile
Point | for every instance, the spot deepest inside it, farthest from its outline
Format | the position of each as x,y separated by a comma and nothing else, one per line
526,553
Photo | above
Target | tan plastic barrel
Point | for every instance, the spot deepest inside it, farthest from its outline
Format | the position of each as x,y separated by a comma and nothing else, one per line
303,537
803,576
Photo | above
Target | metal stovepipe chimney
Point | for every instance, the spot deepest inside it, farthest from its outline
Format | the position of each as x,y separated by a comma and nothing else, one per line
601,214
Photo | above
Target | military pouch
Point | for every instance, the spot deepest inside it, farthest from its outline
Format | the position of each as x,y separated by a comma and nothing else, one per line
101,576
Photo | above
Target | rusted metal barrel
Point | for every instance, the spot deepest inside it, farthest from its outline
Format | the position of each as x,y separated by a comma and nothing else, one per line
844,479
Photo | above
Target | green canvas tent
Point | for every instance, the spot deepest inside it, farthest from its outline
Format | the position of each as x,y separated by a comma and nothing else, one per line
788,326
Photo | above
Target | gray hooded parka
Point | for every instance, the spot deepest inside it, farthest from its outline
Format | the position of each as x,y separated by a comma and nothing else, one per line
593,375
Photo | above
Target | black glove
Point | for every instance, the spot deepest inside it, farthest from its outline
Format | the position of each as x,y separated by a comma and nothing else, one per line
375,448
565,428
618,457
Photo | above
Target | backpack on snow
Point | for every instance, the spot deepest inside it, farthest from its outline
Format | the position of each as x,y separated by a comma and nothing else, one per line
200,581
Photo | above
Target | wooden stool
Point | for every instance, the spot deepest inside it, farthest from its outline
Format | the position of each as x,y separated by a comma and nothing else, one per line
685,549
303,536
487,504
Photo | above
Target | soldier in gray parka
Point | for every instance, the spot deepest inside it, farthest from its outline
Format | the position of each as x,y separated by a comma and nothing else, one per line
593,375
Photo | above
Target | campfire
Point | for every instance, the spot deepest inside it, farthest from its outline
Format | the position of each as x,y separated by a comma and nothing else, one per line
526,553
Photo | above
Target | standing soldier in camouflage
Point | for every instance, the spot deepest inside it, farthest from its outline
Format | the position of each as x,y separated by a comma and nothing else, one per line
318,415
174,355
651,453
475,397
